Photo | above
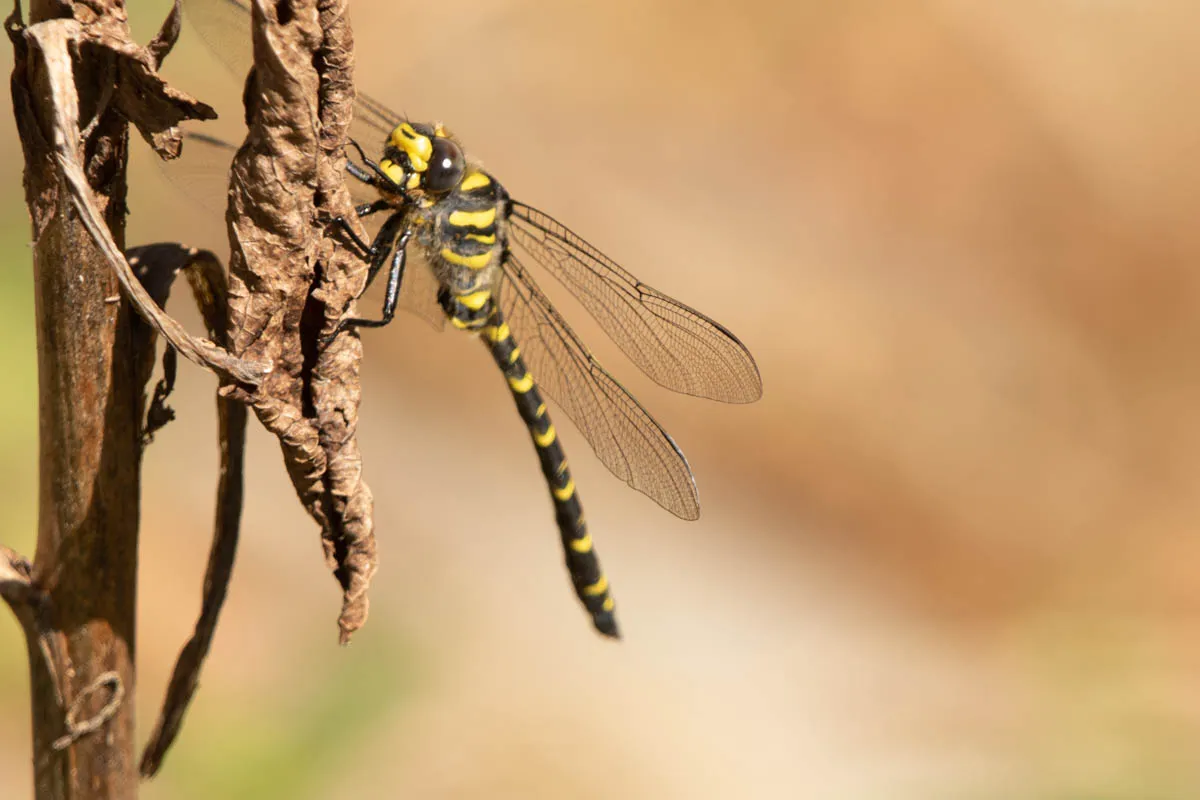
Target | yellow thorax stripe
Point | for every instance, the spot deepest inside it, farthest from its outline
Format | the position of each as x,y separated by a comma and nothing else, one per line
473,219
474,262
484,238
474,180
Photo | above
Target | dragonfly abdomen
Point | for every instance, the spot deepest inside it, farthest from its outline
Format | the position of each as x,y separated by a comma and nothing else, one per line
591,585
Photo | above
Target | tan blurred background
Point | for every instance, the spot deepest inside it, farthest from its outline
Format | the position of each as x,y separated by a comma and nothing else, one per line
953,552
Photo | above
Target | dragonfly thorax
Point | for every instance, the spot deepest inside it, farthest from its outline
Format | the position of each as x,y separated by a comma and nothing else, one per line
462,233
455,211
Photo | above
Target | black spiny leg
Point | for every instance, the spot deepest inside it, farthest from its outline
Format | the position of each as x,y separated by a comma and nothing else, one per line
395,275
360,211
376,177
367,209
362,174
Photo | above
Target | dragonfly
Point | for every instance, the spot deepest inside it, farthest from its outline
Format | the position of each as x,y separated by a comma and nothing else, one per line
476,250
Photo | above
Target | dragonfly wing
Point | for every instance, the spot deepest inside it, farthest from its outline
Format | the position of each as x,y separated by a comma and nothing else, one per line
224,25
623,434
419,291
677,346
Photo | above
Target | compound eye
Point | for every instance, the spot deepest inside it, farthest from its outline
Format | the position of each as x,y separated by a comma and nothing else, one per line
446,166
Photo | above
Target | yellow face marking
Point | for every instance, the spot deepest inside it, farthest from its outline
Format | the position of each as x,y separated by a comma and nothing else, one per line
545,439
393,170
414,181
474,180
473,262
473,219
583,544
598,588
498,333
439,130
418,148
522,384
608,604
564,494
475,300
479,237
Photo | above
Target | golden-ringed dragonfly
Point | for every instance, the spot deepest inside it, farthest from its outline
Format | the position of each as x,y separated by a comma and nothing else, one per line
479,243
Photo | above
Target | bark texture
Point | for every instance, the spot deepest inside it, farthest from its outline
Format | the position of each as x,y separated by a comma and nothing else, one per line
77,82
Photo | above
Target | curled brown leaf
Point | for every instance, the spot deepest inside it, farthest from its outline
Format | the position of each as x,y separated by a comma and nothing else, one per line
290,281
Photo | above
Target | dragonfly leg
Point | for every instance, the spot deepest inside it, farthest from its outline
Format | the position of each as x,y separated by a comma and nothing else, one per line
362,174
364,210
391,297
343,227
367,209
376,177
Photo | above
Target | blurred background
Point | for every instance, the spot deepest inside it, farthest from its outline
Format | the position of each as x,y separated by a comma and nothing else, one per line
953,552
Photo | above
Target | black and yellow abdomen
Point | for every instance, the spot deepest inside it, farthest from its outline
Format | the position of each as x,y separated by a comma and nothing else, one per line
468,251
591,585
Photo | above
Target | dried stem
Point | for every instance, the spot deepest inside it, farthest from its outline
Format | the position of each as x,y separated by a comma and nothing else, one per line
77,82
157,266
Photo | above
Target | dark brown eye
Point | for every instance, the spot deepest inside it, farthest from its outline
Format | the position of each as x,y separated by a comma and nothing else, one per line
446,166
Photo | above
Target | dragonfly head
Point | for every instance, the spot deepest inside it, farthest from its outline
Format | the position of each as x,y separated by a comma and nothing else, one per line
423,158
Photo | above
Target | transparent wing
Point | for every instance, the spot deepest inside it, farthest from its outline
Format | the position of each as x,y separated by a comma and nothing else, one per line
677,346
419,291
623,434
224,25
202,170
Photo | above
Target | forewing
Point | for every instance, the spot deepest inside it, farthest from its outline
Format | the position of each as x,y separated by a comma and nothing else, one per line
624,435
224,25
202,170
677,346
